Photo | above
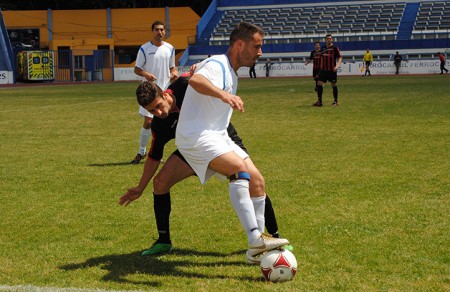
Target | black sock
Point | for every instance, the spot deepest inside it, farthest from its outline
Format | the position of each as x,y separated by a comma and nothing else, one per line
269,214
319,92
162,208
335,94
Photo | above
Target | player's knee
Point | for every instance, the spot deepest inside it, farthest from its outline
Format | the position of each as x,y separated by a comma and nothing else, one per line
160,185
147,125
257,185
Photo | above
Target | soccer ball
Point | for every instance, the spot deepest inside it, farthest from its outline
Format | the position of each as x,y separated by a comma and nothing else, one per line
278,265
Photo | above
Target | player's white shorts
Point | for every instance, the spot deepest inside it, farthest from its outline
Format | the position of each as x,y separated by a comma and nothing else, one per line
201,155
144,113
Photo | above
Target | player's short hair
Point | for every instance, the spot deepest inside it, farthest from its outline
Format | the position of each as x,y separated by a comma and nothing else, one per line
245,31
157,22
147,92
328,35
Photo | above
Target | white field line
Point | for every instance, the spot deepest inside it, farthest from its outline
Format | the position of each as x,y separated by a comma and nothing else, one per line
31,288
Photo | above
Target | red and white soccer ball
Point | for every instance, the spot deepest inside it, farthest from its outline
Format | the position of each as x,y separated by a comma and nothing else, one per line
278,265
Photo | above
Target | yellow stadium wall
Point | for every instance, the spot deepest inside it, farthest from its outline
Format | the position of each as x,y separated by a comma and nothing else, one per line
28,19
183,23
132,27
88,29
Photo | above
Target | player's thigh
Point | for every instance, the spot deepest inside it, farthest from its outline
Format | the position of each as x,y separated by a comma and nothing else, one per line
332,77
173,171
228,163
322,77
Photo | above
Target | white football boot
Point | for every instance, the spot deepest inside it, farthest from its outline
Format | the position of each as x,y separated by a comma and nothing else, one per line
261,245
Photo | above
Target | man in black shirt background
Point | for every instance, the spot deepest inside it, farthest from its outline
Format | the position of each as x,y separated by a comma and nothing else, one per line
330,61
314,57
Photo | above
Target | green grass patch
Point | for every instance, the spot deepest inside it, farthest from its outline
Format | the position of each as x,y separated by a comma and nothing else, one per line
361,190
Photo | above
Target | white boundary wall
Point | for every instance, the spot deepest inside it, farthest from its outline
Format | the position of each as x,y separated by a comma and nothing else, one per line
300,70
295,70
350,68
6,77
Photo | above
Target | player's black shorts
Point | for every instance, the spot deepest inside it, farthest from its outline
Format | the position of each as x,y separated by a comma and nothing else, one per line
368,63
327,75
316,73
178,153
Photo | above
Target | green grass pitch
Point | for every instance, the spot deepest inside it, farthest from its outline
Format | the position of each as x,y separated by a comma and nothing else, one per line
361,190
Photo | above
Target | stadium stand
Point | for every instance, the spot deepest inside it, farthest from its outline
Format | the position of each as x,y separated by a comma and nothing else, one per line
293,26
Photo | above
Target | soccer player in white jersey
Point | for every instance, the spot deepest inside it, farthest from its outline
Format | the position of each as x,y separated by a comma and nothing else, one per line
155,62
202,138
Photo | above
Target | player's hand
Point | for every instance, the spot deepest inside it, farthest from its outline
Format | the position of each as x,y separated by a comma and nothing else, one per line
173,77
130,196
150,77
234,101
192,69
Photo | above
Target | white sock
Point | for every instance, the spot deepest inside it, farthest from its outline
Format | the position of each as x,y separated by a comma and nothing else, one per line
243,206
143,140
259,204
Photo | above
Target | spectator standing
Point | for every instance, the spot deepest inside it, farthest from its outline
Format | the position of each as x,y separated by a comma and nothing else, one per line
252,71
397,62
267,66
367,59
442,59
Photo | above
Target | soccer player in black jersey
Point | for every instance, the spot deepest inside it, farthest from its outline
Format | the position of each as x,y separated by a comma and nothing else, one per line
165,106
314,57
330,61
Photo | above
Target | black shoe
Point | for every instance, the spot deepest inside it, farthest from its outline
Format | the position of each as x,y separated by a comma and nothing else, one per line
335,104
137,159
317,103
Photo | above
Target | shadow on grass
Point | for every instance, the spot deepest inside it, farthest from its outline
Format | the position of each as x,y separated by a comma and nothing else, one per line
119,266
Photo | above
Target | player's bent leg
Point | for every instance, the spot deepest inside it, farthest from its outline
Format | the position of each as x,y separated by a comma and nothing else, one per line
257,183
257,193
174,170
162,209
257,187
228,163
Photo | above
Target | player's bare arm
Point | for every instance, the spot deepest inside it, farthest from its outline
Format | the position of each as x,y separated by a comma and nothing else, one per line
338,64
204,86
145,74
134,193
173,74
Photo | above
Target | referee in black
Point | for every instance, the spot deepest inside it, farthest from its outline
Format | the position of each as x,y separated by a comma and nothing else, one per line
314,57
330,61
